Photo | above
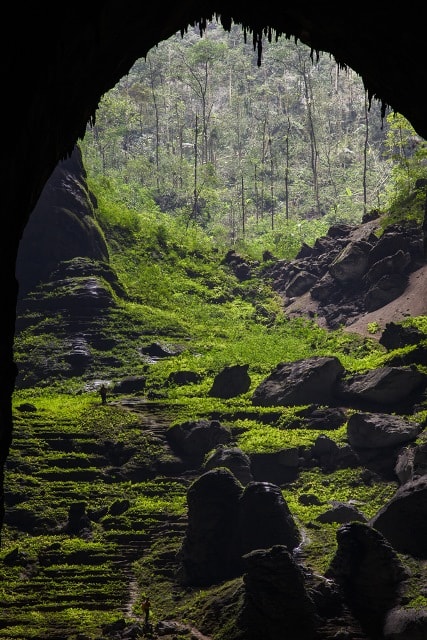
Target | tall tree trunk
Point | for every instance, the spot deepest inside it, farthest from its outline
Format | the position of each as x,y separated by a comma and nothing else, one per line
287,170
271,183
157,121
314,154
243,209
365,156
256,195
193,214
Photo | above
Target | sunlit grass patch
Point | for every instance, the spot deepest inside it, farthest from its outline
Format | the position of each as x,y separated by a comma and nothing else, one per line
344,485
420,322
265,439
77,413
31,545
168,504
156,577
71,622
54,404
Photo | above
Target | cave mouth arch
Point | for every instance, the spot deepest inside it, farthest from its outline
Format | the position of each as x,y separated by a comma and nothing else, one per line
73,60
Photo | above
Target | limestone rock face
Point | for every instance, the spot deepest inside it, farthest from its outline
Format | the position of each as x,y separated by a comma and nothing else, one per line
62,226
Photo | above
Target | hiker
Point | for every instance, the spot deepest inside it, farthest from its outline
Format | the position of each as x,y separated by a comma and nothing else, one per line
145,606
103,394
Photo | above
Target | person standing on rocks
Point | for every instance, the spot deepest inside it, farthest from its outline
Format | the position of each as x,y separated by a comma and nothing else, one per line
103,393
145,606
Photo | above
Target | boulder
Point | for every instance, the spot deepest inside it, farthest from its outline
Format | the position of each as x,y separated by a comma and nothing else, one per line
311,380
397,237
341,513
405,624
160,350
387,288
396,336
324,418
276,601
194,439
26,407
233,459
265,519
352,263
326,289
385,385
231,382
184,377
329,456
278,467
130,384
380,430
411,463
78,522
403,520
395,263
300,283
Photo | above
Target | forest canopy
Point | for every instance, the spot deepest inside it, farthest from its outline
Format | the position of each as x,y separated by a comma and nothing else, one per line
279,151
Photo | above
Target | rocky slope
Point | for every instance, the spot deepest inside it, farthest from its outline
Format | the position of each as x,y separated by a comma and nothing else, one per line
356,276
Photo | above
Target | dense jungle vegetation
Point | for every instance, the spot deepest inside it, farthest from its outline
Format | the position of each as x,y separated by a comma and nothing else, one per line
263,157
198,150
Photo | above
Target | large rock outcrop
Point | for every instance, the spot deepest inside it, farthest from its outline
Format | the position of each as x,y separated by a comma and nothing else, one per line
353,270
226,521
62,226
277,603
369,572
311,380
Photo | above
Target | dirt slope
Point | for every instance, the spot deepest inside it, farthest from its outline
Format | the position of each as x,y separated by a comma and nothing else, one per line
413,302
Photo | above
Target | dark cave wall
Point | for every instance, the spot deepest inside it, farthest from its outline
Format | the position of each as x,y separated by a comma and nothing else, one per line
57,64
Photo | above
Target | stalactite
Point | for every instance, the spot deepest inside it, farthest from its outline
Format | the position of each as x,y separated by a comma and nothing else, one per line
226,21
